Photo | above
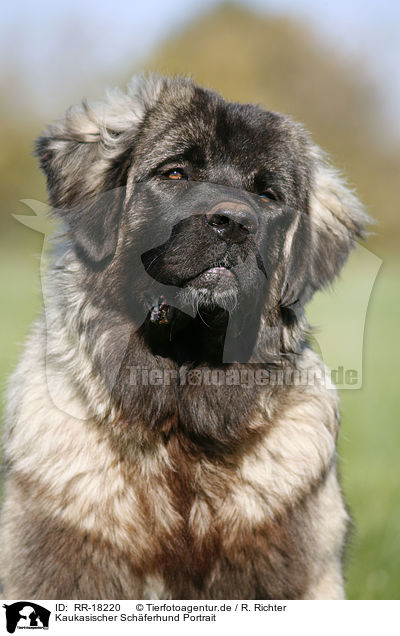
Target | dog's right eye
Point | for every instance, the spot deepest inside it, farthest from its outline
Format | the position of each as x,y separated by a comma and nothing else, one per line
175,174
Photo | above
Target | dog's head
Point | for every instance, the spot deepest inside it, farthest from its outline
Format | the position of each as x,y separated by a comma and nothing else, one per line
222,212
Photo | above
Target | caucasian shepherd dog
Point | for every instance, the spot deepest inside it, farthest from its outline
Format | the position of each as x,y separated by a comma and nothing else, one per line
159,443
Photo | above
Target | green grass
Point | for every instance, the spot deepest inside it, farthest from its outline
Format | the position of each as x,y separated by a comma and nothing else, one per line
370,445
370,437
370,434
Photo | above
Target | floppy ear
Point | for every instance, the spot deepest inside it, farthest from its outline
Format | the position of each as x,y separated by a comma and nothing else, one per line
337,219
86,157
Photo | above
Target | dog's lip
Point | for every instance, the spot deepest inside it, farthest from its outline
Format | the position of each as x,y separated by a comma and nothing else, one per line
212,273
219,270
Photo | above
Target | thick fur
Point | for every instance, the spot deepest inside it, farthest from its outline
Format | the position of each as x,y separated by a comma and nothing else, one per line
119,489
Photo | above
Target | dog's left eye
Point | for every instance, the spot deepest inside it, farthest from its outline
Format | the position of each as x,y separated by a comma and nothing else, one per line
269,195
175,174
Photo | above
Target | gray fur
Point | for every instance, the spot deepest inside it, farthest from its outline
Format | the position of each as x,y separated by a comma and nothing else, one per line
106,494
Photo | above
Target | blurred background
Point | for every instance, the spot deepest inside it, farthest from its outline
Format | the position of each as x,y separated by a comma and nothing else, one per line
333,66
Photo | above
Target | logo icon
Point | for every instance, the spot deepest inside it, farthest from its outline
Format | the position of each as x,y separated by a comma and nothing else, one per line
26,615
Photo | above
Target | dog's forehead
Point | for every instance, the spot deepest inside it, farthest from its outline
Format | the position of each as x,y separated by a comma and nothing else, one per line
198,118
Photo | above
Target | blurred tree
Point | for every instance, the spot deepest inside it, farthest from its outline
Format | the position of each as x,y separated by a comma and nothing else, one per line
275,61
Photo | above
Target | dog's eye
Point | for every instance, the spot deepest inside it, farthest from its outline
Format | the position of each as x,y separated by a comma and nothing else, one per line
269,195
175,174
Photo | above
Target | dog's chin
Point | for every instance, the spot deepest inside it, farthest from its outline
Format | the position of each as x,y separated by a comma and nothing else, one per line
215,288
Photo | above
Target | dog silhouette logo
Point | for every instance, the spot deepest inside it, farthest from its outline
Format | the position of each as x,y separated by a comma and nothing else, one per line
26,615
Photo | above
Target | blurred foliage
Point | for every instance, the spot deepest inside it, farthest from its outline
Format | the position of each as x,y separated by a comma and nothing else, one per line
281,64
20,176
275,61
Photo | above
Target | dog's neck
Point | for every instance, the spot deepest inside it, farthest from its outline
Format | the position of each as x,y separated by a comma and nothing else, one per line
212,336
188,340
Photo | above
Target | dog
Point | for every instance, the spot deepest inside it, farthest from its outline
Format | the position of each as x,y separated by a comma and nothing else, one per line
158,442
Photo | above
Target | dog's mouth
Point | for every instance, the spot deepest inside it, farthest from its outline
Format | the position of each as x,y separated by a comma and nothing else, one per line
215,287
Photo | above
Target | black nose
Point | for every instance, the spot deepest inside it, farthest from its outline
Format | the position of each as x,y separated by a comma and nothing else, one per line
233,222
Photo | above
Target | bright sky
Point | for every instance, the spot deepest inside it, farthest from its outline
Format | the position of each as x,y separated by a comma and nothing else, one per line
43,40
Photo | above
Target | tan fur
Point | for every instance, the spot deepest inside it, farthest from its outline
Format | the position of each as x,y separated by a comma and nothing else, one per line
69,464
